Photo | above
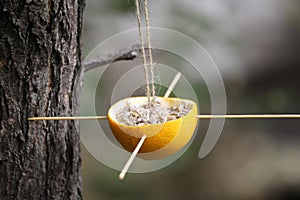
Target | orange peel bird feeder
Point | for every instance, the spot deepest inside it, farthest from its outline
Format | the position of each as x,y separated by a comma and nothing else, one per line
173,133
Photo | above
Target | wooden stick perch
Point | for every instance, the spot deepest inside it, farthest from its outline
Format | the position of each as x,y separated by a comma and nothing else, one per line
172,85
250,116
229,116
67,118
131,158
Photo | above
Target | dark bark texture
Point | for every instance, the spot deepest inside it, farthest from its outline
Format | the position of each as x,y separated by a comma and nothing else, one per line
40,75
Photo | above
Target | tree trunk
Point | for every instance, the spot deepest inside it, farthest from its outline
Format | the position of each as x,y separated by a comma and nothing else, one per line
40,75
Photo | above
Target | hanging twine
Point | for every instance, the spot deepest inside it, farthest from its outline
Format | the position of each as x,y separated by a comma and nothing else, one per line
149,47
150,91
146,74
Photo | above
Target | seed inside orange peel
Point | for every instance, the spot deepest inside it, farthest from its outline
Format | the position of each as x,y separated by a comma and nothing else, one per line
162,140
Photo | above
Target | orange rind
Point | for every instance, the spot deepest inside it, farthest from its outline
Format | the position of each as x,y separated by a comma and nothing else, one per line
162,140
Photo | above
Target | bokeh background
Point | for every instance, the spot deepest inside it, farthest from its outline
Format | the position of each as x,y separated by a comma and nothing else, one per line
256,46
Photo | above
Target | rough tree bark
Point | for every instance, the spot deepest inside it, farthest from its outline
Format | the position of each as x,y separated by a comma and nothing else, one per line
40,75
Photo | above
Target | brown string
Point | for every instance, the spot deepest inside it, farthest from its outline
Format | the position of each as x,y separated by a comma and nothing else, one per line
141,38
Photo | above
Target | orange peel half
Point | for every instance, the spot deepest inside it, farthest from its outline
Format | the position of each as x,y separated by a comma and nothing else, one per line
162,140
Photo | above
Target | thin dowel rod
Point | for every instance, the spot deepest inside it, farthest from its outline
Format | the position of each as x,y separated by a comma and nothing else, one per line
131,158
173,84
250,116
68,118
235,116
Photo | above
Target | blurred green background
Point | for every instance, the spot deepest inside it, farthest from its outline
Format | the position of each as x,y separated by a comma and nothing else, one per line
256,46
